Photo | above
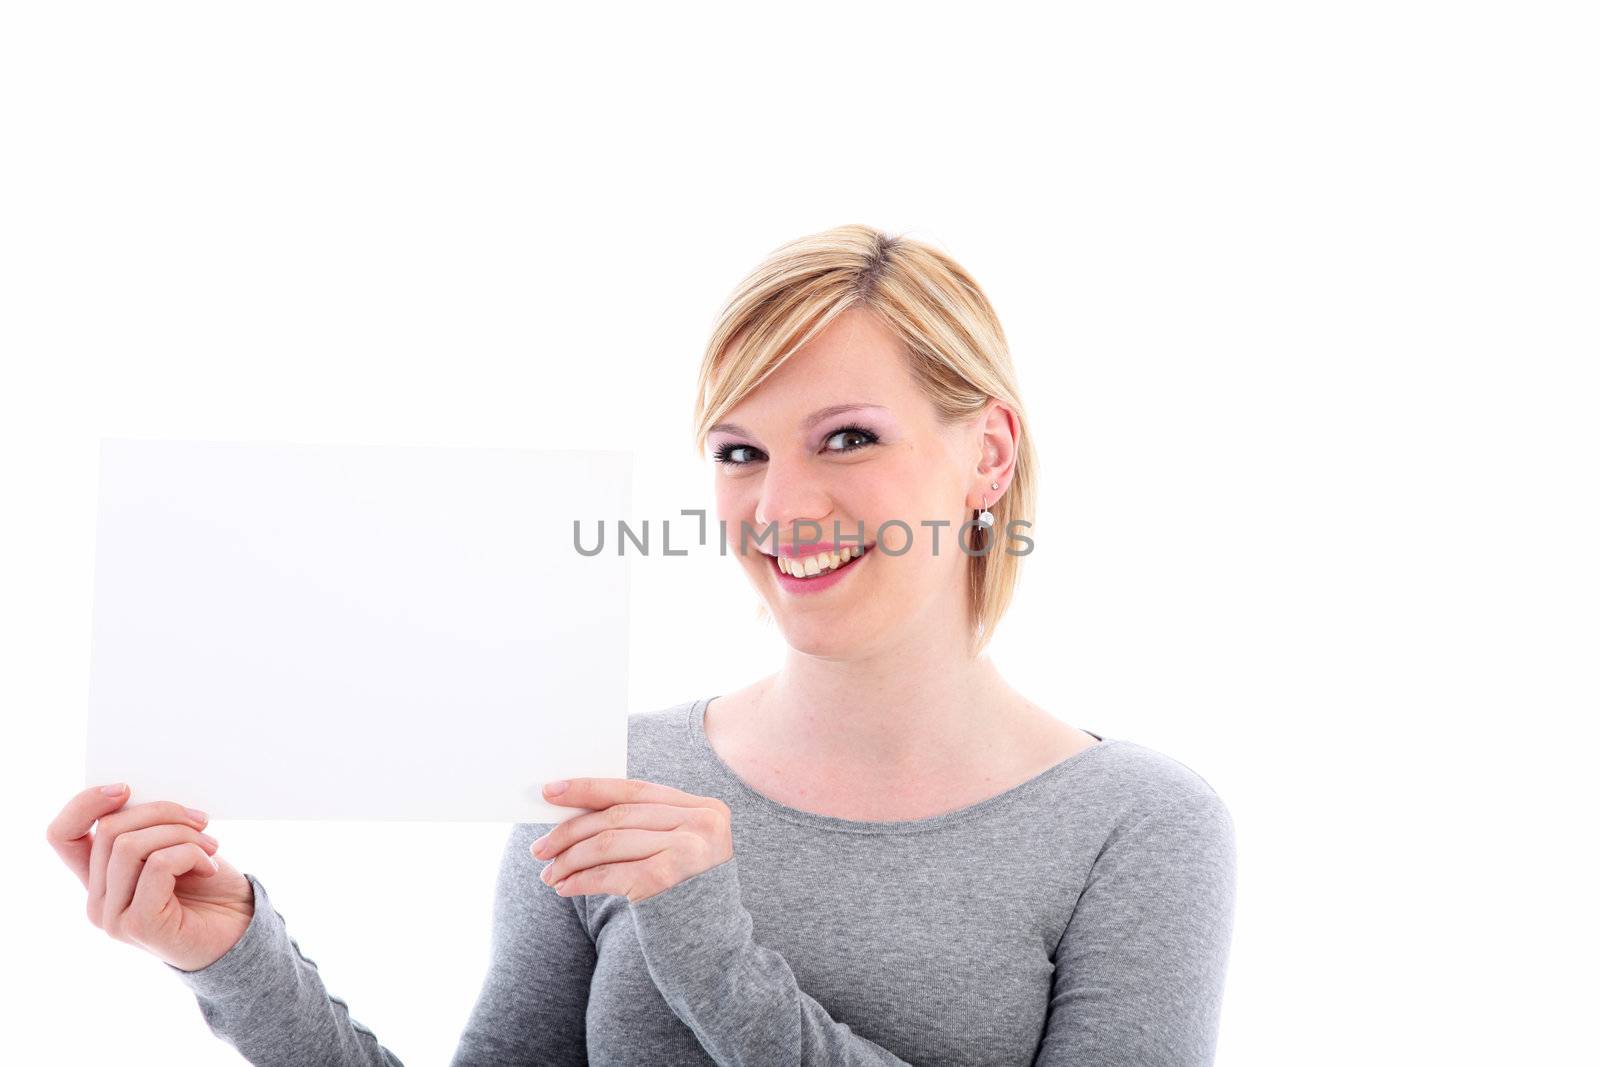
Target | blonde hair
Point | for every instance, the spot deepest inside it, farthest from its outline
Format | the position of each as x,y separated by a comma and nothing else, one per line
957,355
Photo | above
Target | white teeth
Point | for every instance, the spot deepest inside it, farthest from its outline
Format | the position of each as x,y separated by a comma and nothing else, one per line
813,565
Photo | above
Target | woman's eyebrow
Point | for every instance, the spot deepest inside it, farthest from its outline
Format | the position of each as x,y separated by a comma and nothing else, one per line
809,421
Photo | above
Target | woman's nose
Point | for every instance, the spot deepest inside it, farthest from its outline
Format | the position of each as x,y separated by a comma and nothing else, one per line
791,494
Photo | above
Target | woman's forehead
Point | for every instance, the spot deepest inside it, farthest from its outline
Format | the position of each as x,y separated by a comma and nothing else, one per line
819,380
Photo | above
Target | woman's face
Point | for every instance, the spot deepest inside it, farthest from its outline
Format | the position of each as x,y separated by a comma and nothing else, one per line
840,434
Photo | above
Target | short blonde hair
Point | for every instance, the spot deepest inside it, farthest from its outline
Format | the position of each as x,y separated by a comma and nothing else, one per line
956,348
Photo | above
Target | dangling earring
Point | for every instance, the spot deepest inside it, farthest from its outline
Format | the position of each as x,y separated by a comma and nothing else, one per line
986,517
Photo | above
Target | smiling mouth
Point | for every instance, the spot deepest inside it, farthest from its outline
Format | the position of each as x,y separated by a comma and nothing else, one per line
821,564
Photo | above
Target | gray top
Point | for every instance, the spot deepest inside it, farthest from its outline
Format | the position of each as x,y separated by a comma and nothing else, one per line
1082,917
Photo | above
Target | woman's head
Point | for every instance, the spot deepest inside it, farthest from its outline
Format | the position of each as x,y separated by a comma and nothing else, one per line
863,380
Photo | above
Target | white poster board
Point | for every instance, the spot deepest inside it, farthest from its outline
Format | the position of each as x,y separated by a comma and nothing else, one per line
289,631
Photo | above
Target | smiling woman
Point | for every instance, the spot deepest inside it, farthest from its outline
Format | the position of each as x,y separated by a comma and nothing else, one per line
862,382
878,853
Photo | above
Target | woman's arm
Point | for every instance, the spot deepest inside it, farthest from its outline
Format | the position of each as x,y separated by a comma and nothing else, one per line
1140,969
534,1002
266,998
741,999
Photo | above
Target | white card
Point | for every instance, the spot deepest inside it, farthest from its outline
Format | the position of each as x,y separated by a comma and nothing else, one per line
286,631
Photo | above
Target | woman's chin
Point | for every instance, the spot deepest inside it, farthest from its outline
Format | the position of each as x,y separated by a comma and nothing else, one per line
834,620
825,636
820,644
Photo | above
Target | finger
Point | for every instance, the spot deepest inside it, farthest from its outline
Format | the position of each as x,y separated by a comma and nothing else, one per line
598,793
128,858
154,908
608,849
135,818
569,832
68,832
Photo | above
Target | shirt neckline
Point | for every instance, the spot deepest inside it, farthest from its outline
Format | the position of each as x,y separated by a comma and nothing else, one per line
997,803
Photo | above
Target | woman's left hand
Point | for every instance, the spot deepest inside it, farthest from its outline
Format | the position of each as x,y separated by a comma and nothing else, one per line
637,839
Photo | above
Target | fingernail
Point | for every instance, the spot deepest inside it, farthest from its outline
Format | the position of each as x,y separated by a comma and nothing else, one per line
555,789
544,875
537,845
196,815
113,790
208,839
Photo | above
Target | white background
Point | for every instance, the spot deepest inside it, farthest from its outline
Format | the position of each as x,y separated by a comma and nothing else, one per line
1303,302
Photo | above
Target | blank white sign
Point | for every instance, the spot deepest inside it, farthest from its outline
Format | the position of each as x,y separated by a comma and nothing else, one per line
286,631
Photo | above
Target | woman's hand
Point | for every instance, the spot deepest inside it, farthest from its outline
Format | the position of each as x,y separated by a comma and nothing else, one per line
152,876
637,839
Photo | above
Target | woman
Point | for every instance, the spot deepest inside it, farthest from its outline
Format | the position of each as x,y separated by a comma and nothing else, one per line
880,853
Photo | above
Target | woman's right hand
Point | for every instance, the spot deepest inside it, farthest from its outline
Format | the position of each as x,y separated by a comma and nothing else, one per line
152,876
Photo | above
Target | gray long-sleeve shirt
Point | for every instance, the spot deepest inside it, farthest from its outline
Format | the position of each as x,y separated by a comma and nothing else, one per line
1080,918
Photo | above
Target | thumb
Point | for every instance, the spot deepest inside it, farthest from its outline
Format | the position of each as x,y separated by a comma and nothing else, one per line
68,833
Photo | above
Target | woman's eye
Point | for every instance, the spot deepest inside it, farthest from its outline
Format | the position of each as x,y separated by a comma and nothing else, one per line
863,437
725,455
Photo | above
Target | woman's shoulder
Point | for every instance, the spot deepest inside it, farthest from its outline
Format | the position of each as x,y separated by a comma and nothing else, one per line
661,721
1132,780
660,738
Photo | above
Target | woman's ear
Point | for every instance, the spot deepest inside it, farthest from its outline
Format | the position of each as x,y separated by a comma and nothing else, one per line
998,433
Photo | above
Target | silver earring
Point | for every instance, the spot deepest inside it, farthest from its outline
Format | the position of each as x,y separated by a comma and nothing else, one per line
986,517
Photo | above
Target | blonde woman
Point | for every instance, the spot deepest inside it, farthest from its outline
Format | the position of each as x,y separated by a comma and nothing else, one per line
880,853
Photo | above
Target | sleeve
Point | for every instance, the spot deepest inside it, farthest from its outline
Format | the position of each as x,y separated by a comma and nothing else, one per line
266,999
1140,969
741,999
534,1003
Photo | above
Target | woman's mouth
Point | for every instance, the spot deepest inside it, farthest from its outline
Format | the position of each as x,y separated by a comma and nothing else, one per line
814,573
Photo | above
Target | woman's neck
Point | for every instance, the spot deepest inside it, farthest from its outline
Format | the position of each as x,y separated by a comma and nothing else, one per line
885,715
